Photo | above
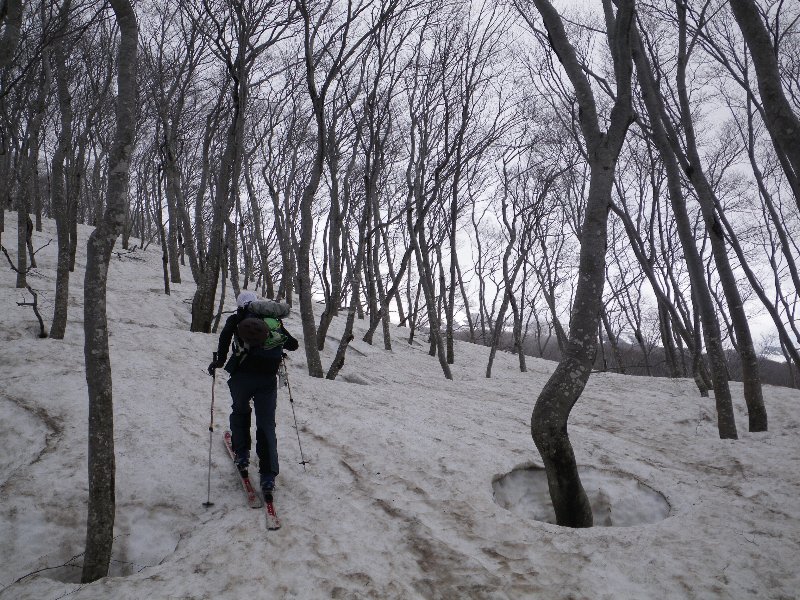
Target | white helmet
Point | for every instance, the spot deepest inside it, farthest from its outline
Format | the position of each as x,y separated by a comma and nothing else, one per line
245,297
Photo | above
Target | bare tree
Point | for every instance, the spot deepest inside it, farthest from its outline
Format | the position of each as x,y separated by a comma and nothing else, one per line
57,178
284,161
330,41
10,24
782,122
693,168
661,135
100,521
561,392
474,73
238,34
720,38
341,133
172,52
510,272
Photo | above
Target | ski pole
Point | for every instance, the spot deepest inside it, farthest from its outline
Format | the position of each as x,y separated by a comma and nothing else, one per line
208,502
303,461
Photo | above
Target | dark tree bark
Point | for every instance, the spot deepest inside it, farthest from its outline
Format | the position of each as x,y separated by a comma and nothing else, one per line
662,137
547,276
782,123
156,207
341,49
247,31
27,160
509,272
613,340
100,521
11,22
258,230
303,253
355,283
203,300
58,194
751,378
562,390
336,220
667,341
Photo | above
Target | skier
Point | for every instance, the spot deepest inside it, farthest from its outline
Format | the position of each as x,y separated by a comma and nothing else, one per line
253,376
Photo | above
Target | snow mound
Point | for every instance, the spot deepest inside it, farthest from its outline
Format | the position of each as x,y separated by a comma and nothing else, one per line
618,499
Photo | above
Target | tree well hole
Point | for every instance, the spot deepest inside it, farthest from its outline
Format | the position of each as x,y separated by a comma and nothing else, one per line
618,499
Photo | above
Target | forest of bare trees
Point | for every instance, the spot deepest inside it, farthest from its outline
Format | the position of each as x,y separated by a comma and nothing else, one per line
577,181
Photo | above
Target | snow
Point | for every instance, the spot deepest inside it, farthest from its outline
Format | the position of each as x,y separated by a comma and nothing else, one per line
617,500
417,487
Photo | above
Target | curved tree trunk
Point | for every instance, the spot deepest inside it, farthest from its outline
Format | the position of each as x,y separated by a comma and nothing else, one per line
562,390
355,283
424,269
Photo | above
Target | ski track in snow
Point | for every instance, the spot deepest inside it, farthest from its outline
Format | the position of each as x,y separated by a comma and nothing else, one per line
397,500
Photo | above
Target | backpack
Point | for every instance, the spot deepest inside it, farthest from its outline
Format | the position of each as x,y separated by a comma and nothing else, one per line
256,333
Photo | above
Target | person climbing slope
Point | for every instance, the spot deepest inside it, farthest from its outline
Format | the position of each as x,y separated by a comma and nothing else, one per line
259,339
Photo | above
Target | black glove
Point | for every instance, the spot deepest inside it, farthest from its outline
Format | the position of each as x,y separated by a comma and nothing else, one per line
217,363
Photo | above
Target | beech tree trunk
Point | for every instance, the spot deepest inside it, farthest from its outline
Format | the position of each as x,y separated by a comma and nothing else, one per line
12,21
58,193
100,521
782,123
562,390
751,378
355,283
613,341
258,229
424,270
701,296
203,300
171,182
22,233
27,158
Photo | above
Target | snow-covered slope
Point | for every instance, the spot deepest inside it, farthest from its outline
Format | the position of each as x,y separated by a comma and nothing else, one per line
402,497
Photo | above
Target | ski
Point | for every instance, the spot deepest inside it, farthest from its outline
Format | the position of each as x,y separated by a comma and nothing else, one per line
253,501
272,518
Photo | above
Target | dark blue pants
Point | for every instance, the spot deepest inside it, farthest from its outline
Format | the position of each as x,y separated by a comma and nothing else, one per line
263,391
